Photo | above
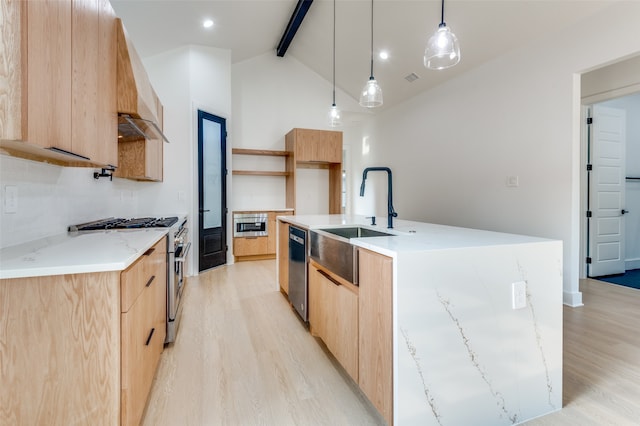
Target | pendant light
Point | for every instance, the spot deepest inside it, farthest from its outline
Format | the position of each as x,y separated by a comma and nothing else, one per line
371,95
334,112
443,49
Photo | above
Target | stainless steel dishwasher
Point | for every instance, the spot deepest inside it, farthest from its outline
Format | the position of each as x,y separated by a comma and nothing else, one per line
298,271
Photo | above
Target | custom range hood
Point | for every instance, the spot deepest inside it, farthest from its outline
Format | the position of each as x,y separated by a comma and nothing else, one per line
139,109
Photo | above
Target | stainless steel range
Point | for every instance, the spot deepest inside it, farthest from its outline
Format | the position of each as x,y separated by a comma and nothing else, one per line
177,249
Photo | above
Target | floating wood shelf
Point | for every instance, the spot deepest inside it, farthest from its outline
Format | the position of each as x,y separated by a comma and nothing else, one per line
242,151
259,173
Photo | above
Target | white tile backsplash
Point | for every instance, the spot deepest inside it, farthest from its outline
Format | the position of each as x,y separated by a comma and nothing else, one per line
51,197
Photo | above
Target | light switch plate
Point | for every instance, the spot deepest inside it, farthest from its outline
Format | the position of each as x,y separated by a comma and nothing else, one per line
10,199
513,181
519,295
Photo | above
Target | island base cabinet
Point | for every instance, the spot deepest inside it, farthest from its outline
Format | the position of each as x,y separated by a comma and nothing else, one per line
333,317
283,256
375,338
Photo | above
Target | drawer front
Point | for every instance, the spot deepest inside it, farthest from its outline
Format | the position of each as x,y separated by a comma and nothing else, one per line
143,332
248,246
148,269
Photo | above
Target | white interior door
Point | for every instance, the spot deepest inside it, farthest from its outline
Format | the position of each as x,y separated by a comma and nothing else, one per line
606,192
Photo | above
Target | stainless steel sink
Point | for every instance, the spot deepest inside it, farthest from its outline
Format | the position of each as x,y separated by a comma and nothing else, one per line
332,249
356,232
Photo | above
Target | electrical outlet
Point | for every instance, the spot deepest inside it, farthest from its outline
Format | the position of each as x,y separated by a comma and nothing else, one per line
10,199
519,295
513,181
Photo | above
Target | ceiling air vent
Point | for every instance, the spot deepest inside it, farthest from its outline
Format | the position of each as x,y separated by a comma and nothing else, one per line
412,77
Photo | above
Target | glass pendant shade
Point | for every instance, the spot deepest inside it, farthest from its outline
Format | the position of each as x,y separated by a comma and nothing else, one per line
443,49
371,95
334,117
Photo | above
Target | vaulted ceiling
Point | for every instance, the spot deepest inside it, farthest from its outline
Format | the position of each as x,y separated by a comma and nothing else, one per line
485,28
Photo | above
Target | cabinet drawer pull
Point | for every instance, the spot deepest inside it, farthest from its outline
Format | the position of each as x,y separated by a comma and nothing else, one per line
329,277
153,277
148,252
150,336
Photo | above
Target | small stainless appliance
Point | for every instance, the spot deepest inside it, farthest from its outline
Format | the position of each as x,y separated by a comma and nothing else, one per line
298,290
250,225
177,249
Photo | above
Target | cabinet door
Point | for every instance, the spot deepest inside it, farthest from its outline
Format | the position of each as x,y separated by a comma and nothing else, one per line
343,327
283,256
107,142
318,145
333,317
49,74
85,73
376,330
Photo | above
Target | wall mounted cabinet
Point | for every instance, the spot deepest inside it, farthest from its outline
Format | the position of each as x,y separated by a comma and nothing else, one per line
316,149
61,106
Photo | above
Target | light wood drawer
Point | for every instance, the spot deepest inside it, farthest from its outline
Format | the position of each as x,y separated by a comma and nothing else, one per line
143,333
148,269
248,246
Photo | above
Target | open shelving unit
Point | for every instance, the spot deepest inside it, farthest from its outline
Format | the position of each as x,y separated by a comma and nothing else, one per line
263,152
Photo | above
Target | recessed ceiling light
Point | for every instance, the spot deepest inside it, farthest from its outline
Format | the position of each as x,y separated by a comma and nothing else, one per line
208,23
384,55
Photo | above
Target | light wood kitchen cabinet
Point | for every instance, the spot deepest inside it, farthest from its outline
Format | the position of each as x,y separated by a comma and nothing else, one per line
333,316
250,246
316,149
376,330
258,248
140,160
143,325
283,256
79,344
312,145
66,103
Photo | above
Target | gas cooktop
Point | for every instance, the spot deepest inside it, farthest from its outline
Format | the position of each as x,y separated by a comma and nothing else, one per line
119,223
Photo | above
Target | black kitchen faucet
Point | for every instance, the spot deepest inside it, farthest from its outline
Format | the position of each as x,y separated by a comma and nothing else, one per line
391,212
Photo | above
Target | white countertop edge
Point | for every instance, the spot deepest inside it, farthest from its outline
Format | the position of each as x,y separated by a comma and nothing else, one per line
14,268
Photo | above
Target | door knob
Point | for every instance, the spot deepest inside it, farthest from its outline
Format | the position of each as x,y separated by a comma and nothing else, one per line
623,211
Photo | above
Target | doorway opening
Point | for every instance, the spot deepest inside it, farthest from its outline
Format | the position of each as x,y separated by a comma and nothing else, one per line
212,193
611,236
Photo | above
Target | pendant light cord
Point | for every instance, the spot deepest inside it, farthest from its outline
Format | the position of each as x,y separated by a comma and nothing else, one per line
334,52
371,78
442,24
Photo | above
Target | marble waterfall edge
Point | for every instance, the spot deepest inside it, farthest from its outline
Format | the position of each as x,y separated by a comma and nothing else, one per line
463,355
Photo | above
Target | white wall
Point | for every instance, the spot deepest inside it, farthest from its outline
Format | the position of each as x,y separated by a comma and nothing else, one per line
272,95
188,79
452,148
50,198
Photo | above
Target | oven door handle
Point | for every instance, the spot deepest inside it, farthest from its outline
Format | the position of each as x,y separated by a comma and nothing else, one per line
184,253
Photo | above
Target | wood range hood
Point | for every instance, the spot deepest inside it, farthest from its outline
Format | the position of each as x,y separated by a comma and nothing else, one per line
140,113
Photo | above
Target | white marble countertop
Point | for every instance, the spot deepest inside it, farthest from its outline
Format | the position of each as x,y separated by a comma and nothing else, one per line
410,236
77,253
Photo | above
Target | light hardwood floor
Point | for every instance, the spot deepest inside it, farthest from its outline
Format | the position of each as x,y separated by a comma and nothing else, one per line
601,359
242,357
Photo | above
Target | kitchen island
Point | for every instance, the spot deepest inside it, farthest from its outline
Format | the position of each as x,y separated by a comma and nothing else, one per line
476,322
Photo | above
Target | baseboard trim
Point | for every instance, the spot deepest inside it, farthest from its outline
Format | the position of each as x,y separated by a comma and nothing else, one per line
572,299
631,264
